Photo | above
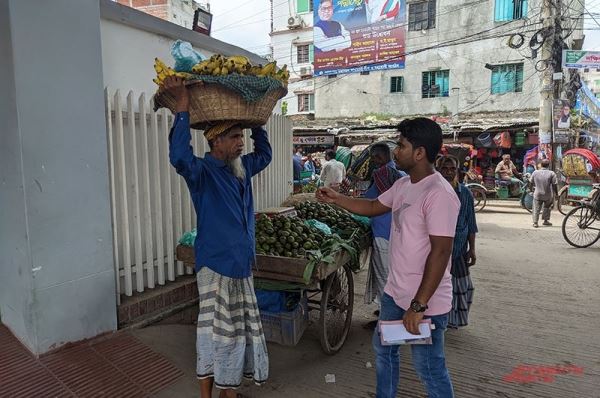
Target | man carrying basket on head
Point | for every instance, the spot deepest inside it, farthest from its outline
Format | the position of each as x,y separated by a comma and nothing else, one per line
230,343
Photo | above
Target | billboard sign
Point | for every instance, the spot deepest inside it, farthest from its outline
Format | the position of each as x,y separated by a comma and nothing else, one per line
352,36
581,59
561,114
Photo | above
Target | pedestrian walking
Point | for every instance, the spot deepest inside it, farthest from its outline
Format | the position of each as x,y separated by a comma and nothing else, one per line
545,190
384,177
230,343
333,172
463,251
424,215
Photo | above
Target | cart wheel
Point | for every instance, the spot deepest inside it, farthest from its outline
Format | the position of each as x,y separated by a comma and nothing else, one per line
479,197
337,303
578,227
563,203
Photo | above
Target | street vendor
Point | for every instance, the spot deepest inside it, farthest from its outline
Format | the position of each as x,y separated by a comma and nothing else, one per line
230,343
424,214
507,171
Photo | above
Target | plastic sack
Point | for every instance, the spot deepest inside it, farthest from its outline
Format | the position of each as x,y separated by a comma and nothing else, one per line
319,225
188,238
362,219
185,56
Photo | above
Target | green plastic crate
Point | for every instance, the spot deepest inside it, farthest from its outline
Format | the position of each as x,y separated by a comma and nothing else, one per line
502,192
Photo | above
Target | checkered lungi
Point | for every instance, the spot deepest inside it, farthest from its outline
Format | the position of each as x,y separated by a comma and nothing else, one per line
230,344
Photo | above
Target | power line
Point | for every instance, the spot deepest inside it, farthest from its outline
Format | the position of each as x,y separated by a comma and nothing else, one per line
590,14
449,43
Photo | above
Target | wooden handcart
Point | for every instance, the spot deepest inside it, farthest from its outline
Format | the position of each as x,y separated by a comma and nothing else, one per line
330,290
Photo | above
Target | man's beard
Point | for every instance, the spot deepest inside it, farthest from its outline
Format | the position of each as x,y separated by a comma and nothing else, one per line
237,167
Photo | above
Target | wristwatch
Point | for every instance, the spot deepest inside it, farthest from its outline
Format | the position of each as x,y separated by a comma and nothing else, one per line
418,307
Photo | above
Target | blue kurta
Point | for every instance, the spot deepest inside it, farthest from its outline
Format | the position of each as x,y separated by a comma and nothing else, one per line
223,204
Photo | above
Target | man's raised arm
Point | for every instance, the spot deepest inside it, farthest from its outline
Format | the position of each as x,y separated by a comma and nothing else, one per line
362,207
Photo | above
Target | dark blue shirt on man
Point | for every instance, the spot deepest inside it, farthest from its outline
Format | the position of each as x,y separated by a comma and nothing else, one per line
223,203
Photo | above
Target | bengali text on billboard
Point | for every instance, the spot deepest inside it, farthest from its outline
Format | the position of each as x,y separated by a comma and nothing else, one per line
352,36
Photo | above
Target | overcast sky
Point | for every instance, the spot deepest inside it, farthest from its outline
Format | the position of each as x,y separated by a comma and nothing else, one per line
246,23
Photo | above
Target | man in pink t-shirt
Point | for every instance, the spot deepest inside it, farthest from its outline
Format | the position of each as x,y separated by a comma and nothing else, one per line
424,215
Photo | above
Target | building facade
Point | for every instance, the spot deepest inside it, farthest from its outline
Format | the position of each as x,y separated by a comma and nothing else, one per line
458,61
180,12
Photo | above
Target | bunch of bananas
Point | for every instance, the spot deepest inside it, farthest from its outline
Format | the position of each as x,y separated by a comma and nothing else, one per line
163,71
219,65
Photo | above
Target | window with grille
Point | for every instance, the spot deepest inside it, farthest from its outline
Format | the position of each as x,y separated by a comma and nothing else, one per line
306,102
435,84
507,78
509,10
303,54
421,16
396,84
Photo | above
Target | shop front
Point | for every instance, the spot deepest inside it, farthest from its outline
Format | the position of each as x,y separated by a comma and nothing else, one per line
489,147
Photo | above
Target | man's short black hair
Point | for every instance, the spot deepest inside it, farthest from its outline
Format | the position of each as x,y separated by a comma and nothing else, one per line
545,163
330,153
423,132
381,148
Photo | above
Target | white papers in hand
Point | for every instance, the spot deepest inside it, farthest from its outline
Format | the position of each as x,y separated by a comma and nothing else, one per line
395,333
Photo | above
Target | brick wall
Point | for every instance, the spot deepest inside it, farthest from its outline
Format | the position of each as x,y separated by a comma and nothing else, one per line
157,8
156,302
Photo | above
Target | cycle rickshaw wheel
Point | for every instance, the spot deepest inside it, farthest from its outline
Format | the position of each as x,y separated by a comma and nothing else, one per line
581,227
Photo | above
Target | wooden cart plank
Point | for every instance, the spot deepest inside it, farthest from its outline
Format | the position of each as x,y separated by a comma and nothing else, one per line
278,268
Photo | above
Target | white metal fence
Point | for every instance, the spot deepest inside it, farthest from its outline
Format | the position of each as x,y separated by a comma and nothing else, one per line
151,205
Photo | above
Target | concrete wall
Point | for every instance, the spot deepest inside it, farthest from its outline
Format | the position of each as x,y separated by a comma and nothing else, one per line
15,263
57,279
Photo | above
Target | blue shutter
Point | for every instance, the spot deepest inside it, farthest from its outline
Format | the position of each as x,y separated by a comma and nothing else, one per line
442,79
503,10
508,10
496,80
302,6
519,78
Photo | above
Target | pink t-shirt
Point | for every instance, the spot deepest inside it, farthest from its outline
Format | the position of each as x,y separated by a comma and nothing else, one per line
429,207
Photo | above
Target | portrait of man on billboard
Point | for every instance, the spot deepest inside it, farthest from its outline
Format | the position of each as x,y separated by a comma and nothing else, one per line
329,35
562,115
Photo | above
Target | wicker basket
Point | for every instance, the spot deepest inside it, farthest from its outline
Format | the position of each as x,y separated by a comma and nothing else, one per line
213,103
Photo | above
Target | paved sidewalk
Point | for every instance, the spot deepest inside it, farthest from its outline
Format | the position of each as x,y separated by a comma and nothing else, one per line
533,333
114,366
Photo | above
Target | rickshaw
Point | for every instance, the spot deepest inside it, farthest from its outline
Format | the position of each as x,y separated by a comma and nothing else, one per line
480,192
464,154
582,169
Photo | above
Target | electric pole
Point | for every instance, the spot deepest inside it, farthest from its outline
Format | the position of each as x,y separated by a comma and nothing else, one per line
547,90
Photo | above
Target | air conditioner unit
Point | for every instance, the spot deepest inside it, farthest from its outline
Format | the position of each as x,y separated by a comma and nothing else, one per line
295,22
306,71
